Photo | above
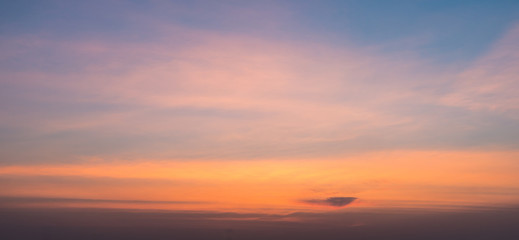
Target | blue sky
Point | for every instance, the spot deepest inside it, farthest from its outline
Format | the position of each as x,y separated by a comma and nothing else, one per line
440,30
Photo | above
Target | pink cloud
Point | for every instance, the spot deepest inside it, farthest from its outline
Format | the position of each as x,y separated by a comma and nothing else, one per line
230,93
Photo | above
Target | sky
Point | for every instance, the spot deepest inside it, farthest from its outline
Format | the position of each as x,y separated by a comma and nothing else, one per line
260,113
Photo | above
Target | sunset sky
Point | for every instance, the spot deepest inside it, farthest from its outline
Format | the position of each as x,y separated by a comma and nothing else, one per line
260,108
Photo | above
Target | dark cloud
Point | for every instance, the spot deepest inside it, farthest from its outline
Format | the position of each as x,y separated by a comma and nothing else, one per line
107,224
332,201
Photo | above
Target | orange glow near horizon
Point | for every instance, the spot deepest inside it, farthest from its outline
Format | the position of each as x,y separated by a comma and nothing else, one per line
384,179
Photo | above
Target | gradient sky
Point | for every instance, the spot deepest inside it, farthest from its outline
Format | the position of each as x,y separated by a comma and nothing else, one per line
260,107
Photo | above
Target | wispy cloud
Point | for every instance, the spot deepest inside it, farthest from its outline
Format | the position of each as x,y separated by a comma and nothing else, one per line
22,200
491,83
239,96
